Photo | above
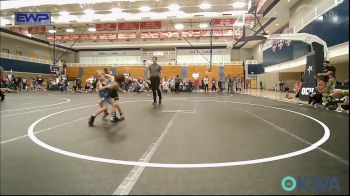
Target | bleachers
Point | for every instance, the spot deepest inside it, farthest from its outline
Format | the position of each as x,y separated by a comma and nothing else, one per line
233,70
170,71
135,71
91,71
72,72
167,71
201,70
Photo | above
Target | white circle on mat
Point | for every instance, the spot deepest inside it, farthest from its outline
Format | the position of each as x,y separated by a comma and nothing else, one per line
324,138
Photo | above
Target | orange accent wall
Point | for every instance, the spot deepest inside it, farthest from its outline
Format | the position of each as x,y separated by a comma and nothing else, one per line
72,72
170,71
135,71
233,70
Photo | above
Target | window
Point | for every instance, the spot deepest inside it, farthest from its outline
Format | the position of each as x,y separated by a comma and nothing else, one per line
6,53
18,55
33,56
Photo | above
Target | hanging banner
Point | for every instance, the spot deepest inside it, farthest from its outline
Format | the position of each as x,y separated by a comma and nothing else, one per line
126,35
36,30
50,38
205,33
149,35
72,37
227,32
107,36
128,25
217,33
106,27
84,37
169,34
187,33
93,37
16,29
223,22
196,33
277,44
151,25
143,35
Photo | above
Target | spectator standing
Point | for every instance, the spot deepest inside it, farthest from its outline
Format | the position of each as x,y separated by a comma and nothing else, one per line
327,70
190,86
2,95
20,84
39,82
220,86
297,88
206,84
196,84
177,84
238,83
165,86
230,85
213,83
24,84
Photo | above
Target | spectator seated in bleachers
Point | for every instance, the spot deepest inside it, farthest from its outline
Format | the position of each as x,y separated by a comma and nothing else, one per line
165,86
341,94
326,99
316,97
297,88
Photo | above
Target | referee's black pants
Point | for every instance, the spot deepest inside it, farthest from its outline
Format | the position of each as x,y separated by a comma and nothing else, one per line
155,83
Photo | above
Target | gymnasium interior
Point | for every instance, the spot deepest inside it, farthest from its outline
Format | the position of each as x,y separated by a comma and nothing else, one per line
254,97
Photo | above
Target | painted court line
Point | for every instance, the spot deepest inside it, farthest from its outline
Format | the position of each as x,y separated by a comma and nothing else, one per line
291,134
130,180
181,111
43,130
67,100
33,111
23,136
322,140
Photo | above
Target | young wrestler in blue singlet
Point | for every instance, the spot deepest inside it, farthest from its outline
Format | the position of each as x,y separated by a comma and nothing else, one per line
104,85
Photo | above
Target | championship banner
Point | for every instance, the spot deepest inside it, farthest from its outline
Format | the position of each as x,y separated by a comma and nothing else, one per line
128,26
278,44
126,35
133,35
169,34
149,35
205,33
151,25
84,37
36,30
223,22
217,33
106,27
72,37
227,32
107,36
50,38
196,33
93,37
187,34
16,29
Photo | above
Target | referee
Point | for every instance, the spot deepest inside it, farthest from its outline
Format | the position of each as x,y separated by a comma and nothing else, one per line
154,74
